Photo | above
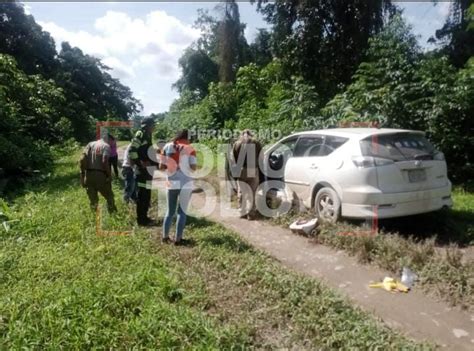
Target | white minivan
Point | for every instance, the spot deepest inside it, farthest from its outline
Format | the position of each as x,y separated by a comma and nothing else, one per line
361,172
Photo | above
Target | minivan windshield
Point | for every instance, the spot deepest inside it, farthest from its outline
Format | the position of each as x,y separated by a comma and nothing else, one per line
398,147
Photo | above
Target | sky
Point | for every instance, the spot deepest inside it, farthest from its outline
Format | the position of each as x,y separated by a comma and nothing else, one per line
142,42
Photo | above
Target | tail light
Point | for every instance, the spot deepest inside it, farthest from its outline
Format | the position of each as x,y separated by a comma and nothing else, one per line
369,161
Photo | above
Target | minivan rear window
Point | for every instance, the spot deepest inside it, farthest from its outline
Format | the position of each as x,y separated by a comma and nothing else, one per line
398,146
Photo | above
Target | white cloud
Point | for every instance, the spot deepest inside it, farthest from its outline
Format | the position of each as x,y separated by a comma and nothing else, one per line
27,8
166,33
444,8
161,64
249,34
137,49
119,69
90,44
425,18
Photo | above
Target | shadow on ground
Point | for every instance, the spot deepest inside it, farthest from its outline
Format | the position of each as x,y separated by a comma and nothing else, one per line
446,226
45,181
215,237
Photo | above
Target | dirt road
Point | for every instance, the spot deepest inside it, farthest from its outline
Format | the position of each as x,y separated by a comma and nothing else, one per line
414,314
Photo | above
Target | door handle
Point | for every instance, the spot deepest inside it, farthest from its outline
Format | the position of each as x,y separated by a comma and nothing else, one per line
313,166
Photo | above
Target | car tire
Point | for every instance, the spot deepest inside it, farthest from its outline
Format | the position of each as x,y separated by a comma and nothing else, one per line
327,205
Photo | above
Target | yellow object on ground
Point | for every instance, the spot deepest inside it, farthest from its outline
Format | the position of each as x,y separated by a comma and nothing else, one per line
390,284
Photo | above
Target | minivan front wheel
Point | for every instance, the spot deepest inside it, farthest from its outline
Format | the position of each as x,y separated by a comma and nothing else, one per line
327,205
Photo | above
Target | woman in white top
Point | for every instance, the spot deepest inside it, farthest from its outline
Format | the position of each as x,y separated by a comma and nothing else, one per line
179,160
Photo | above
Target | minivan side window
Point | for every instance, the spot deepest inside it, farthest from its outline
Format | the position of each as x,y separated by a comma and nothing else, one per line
308,146
286,147
332,143
318,145
278,157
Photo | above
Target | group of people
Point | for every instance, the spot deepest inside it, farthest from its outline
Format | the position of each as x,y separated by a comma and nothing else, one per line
178,159
140,160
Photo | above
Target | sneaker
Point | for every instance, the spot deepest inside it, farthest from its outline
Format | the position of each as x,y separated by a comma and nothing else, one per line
181,242
166,240
146,222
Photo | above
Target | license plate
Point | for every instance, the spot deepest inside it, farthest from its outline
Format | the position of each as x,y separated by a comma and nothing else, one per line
416,175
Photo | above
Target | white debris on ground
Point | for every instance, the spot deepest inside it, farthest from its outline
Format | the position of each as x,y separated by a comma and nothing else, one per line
304,226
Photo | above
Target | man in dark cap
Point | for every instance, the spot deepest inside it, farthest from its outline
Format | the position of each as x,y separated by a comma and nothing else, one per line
140,151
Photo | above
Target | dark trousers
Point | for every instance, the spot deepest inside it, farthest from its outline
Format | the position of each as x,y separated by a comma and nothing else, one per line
144,195
113,164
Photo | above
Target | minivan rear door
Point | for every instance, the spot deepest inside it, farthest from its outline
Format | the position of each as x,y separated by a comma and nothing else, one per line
414,166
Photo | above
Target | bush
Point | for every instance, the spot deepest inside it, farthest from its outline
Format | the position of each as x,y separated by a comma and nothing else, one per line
399,87
30,119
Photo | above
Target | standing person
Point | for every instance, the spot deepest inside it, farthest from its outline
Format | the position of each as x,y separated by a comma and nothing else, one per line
95,173
249,173
113,159
179,160
130,188
139,154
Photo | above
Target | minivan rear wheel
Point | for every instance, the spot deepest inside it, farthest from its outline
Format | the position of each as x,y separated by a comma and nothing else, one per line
327,205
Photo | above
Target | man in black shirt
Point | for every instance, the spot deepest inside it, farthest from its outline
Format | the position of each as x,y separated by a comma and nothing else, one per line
140,151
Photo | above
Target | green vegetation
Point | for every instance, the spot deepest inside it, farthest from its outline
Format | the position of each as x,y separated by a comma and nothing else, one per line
443,272
399,86
437,246
316,69
30,119
48,97
61,286
319,64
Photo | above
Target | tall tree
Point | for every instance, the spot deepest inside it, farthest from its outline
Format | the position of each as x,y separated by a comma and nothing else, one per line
457,37
22,38
92,94
261,48
233,48
198,71
30,117
323,41
216,55
199,66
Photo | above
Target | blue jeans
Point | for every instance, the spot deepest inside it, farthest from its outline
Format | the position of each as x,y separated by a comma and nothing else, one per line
130,189
172,197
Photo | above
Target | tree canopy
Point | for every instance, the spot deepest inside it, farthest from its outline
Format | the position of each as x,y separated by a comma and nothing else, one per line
323,63
323,41
456,35
24,39
48,97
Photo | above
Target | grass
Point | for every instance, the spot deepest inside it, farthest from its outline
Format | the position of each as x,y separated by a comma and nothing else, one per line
437,246
63,287
279,308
